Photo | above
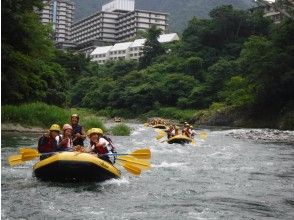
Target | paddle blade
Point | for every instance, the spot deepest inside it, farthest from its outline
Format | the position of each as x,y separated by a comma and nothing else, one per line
141,153
28,151
203,134
193,142
139,163
132,169
29,156
160,134
14,160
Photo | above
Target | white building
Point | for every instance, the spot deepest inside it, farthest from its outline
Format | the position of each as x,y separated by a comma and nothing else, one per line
118,21
59,13
136,49
127,50
119,5
101,54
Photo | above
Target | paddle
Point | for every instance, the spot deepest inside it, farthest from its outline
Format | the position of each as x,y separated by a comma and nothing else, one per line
132,169
14,160
161,133
30,153
140,163
203,134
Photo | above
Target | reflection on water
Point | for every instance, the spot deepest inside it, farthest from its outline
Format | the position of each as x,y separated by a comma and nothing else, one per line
220,178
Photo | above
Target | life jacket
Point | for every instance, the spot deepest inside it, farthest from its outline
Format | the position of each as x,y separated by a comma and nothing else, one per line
110,143
187,132
100,149
47,144
77,129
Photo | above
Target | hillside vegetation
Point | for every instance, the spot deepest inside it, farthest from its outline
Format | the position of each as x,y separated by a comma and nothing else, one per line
236,65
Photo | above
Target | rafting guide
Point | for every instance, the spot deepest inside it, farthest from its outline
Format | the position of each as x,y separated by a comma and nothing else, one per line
78,134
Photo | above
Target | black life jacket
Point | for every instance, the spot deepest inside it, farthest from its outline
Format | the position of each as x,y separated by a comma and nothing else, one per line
47,144
77,129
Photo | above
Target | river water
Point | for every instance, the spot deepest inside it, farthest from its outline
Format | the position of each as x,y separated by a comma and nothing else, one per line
222,177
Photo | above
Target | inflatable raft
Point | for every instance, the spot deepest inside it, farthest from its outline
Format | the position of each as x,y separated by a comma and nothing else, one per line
74,166
160,126
179,139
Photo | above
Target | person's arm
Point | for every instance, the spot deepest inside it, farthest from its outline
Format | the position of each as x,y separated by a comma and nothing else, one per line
81,135
41,144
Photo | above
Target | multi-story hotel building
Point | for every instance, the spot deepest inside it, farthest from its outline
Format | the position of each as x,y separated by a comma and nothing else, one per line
59,13
118,21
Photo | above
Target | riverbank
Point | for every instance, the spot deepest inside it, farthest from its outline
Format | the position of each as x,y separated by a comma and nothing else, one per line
15,127
219,115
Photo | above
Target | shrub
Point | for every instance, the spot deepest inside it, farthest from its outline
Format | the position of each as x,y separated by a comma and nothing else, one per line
120,130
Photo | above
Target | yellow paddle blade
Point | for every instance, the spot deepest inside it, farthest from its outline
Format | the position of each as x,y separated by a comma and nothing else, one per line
14,160
146,124
143,153
193,142
203,134
139,163
28,150
160,134
29,153
132,169
29,156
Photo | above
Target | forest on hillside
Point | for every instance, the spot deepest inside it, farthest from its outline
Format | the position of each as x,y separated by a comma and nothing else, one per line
237,59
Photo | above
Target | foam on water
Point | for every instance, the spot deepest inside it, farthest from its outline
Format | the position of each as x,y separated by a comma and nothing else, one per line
118,182
166,164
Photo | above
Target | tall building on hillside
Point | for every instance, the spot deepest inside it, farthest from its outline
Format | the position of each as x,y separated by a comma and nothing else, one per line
59,13
118,21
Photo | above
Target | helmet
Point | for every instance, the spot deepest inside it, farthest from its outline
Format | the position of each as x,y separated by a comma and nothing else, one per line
94,131
75,115
191,126
66,126
54,127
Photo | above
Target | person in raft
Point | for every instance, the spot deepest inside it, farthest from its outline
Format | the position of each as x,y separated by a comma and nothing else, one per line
192,132
100,146
78,132
66,142
48,142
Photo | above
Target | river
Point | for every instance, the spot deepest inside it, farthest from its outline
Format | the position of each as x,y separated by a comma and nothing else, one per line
222,177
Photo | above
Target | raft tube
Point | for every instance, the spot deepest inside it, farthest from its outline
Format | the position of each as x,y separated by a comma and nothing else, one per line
179,139
74,167
160,126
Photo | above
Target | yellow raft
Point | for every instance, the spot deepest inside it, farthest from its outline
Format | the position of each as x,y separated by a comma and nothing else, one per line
74,166
160,126
179,139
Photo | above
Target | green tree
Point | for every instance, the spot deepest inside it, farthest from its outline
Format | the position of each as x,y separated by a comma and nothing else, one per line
152,48
28,70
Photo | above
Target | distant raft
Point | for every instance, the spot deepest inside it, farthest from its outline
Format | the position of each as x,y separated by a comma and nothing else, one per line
160,126
179,139
74,167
